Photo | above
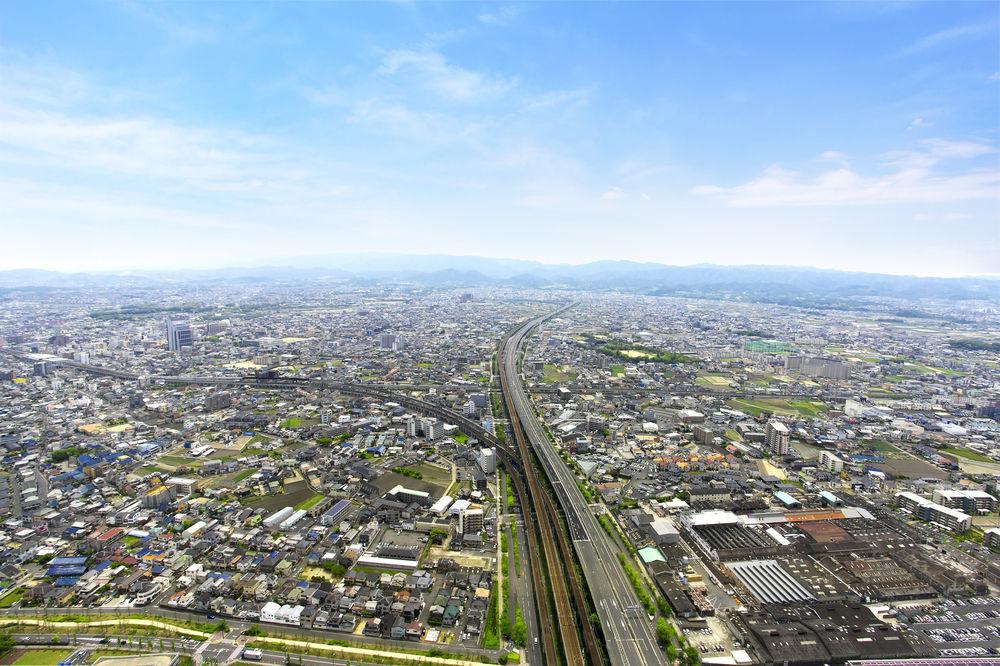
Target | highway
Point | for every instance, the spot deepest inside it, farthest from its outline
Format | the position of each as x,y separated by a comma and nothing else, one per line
629,636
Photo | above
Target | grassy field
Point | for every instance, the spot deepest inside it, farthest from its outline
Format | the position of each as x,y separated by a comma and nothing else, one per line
295,492
969,454
618,369
434,474
41,657
883,446
713,380
732,435
807,451
149,469
928,370
778,407
553,374
177,461
11,598
310,502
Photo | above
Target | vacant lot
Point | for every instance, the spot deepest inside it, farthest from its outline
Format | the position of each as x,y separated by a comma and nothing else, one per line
552,374
911,468
969,454
295,493
778,407
439,476
714,380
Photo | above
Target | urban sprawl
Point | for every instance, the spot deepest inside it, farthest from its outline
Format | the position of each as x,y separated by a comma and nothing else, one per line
393,474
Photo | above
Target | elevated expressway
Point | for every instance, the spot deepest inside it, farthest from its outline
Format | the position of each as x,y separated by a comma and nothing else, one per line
537,507
629,636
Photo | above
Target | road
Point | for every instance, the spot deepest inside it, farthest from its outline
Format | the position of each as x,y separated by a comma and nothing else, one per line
629,636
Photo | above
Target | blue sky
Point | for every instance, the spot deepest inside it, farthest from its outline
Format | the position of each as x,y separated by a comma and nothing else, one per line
857,136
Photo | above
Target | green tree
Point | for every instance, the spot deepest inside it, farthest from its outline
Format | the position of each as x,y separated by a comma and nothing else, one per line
662,631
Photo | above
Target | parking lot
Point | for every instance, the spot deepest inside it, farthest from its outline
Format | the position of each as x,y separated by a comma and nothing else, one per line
958,628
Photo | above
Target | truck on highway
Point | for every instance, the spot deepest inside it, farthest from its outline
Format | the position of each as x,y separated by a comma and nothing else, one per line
252,654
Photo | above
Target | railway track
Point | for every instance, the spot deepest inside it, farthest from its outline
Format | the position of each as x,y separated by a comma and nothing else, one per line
539,508
567,588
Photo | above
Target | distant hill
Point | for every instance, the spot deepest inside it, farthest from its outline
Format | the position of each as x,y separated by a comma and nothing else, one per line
777,284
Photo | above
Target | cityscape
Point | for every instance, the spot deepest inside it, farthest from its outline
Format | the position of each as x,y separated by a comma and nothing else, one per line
411,333
466,474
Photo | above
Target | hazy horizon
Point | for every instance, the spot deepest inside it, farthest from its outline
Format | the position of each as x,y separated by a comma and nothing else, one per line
845,136
295,263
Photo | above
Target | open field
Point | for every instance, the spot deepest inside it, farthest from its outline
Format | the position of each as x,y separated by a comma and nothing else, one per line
553,374
40,657
295,493
778,407
439,476
310,502
11,598
713,380
911,468
807,451
972,467
969,454
885,448
178,461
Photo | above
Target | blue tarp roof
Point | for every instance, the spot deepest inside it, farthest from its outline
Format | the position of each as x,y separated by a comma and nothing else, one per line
56,561
66,581
66,570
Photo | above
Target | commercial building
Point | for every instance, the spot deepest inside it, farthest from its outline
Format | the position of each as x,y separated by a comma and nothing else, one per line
829,368
178,335
663,531
769,581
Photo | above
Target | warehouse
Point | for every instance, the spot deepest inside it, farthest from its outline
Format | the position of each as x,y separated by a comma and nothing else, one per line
769,582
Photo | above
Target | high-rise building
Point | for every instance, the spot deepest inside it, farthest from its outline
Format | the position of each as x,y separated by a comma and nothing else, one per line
470,521
178,335
776,437
830,462
391,341
488,460
218,400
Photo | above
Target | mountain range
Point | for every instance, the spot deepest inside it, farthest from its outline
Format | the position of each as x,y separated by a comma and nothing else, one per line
768,283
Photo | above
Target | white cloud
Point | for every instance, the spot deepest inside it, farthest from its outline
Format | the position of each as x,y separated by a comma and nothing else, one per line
958,33
445,79
995,76
917,123
832,156
913,178
178,30
502,16
614,194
